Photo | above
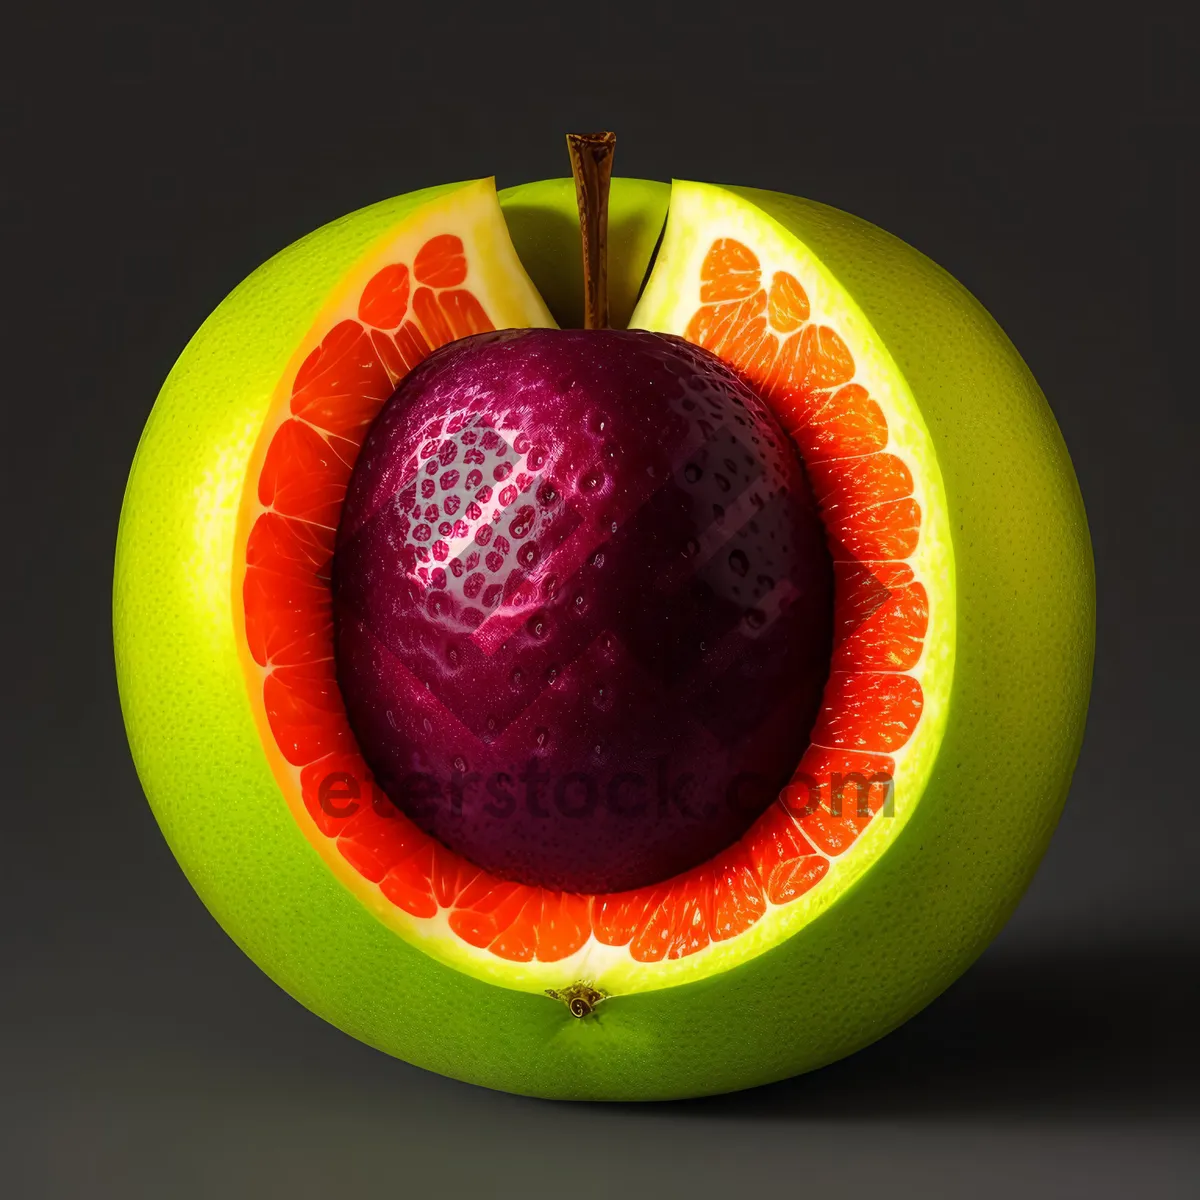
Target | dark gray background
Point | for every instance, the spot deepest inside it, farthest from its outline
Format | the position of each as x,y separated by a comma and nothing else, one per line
1050,162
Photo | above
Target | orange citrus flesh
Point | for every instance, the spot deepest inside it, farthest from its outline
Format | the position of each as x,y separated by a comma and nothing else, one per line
871,705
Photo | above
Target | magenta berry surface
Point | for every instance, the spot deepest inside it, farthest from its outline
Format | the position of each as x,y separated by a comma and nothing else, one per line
583,604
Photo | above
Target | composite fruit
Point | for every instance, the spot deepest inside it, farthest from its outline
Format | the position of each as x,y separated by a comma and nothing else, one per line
904,685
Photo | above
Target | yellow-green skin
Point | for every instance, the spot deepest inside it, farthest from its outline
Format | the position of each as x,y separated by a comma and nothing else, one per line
901,934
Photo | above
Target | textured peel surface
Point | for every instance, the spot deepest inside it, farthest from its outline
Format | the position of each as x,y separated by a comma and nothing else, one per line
1022,660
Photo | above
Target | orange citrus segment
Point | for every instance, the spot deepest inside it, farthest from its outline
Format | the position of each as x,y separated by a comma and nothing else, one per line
431,317
730,272
288,626
823,359
304,708
342,384
737,897
883,620
335,789
304,476
289,613
440,262
787,305
868,711
374,848
517,941
617,918
850,485
407,883
786,862
836,793
464,314
384,302
883,531
565,927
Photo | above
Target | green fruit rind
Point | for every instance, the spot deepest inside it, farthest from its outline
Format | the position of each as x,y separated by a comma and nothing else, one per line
892,941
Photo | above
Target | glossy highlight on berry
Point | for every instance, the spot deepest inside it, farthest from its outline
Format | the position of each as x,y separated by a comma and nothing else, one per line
654,576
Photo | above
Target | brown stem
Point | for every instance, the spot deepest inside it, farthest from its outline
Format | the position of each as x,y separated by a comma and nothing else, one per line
591,164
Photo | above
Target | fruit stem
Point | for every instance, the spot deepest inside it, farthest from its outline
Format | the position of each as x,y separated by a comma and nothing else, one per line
591,164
